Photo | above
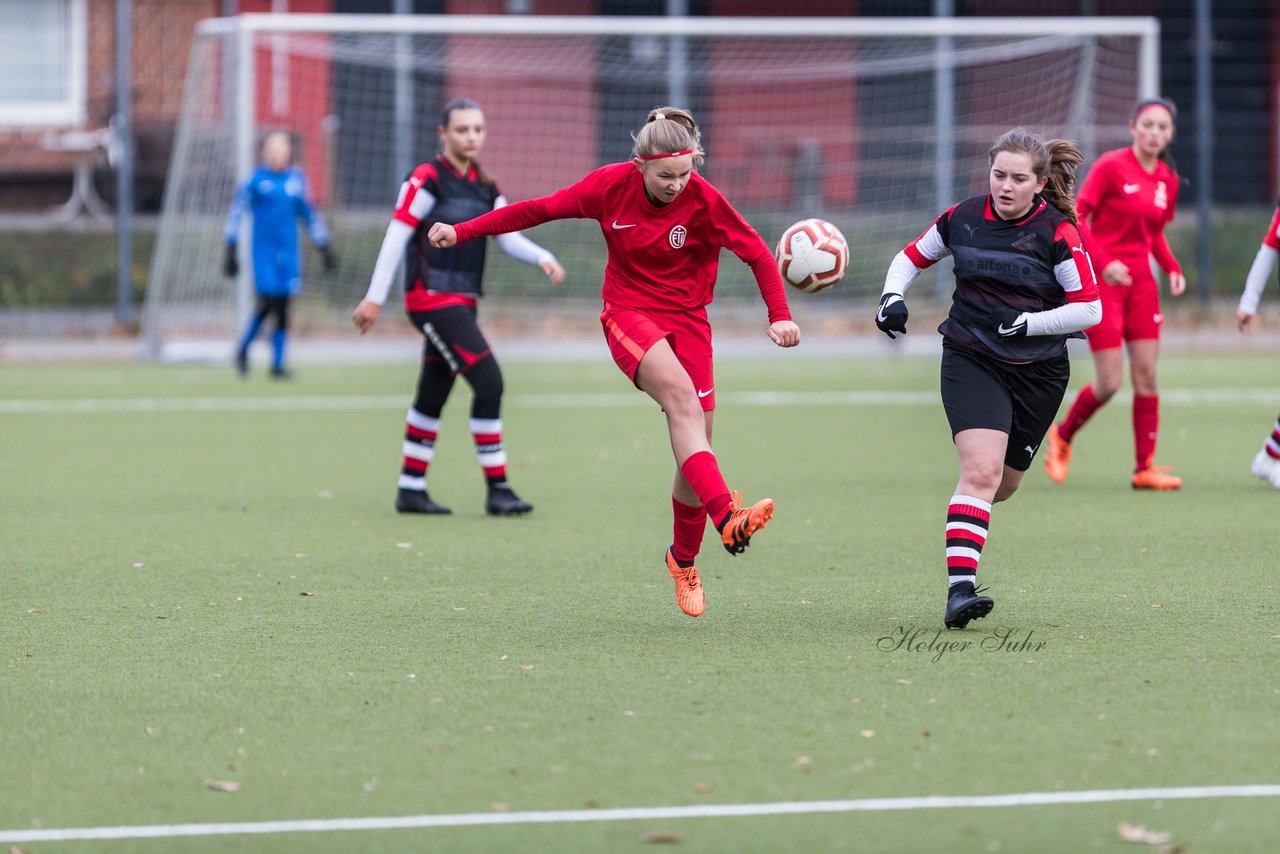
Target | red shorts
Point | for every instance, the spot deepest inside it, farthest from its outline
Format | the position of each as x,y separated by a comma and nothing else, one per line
1129,313
630,332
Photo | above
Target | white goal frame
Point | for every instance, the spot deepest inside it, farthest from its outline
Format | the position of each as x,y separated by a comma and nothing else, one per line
675,30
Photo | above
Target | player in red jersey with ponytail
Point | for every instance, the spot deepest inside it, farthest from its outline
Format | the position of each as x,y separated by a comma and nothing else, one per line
664,226
1126,200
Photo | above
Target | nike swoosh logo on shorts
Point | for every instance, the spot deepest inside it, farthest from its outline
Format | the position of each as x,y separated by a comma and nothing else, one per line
628,225
702,393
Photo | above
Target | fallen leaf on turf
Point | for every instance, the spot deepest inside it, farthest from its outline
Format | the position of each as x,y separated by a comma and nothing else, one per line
1139,834
150,730
222,785
139,565
868,733
35,610
660,836
16,850
305,593
527,666
1156,605
904,681
702,787
499,806
803,762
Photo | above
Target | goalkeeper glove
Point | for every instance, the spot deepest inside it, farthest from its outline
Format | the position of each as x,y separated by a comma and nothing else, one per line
327,259
1009,322
891,316
230,262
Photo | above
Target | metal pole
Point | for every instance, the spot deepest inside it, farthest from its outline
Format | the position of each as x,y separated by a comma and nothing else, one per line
1204,148
244,156
123,131
402,120
678,63
944,107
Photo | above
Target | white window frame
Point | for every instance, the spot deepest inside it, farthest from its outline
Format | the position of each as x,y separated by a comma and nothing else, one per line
67,111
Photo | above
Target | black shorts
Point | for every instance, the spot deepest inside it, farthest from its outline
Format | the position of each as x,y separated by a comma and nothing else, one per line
979,392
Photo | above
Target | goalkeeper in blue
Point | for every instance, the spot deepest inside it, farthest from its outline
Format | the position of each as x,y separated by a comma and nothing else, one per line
276,195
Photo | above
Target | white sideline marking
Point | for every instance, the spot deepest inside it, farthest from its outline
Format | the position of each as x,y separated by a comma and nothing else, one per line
928,802
322,403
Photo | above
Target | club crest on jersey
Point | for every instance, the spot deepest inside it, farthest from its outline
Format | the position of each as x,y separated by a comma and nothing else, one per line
677,236
1162,196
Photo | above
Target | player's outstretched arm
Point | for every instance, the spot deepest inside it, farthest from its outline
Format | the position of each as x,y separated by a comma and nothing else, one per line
784,333
442,235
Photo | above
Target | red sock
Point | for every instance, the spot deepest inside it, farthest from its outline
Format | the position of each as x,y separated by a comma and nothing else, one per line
689,526
1146,424
1086,403
703,473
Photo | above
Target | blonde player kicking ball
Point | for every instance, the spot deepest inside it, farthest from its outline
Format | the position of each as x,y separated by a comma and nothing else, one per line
1266,464
664,227
1024,284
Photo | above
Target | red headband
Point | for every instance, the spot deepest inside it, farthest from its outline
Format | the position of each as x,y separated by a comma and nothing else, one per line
664,156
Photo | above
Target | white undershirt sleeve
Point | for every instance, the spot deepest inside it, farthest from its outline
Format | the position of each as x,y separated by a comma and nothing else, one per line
518,246
900,276
384,270
1072,317
1256,282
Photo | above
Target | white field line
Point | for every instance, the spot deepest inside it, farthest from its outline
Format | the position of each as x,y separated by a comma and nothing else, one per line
323,403
928,802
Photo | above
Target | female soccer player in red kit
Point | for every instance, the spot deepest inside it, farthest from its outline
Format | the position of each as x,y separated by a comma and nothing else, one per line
1024,284
1266,464
664,227
1125,202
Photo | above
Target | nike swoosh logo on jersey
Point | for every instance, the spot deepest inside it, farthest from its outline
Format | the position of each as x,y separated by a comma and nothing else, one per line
1003,330
702,393
1132,188
628,225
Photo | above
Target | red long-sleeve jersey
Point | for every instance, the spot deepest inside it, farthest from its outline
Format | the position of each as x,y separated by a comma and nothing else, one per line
1122,211
662,258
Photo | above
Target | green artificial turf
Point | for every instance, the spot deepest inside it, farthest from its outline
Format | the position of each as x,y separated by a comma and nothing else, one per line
195,591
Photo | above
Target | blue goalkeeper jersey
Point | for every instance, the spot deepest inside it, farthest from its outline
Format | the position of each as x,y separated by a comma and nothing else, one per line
277,200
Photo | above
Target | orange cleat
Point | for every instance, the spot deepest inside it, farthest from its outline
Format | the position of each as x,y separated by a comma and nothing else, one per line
689,595
743,522
1057,457
1156,477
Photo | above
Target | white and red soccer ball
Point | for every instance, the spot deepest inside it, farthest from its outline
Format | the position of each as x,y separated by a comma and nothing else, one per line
812,255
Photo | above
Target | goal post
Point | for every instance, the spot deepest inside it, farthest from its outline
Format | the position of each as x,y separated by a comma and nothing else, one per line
874,124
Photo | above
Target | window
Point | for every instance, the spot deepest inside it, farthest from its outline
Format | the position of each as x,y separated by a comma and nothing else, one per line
43,51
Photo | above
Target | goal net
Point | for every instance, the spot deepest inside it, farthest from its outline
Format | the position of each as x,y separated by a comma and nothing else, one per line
874,124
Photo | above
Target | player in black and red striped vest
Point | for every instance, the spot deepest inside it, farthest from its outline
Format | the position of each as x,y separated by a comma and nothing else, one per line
442,288
1024,284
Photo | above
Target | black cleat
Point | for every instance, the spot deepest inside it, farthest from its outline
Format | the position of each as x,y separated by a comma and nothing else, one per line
242,362
417,501
502,501
964,604
281,374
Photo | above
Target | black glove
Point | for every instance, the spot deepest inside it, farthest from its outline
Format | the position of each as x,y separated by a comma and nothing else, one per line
230,262
1009,322
891,316
327,259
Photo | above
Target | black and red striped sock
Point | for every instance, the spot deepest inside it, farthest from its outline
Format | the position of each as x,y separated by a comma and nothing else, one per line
487,433
420,432
968,519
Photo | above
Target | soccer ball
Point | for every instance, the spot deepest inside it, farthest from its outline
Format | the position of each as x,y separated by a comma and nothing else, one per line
812,255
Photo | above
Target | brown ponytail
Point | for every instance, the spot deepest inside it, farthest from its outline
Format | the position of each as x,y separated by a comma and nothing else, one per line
667,130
